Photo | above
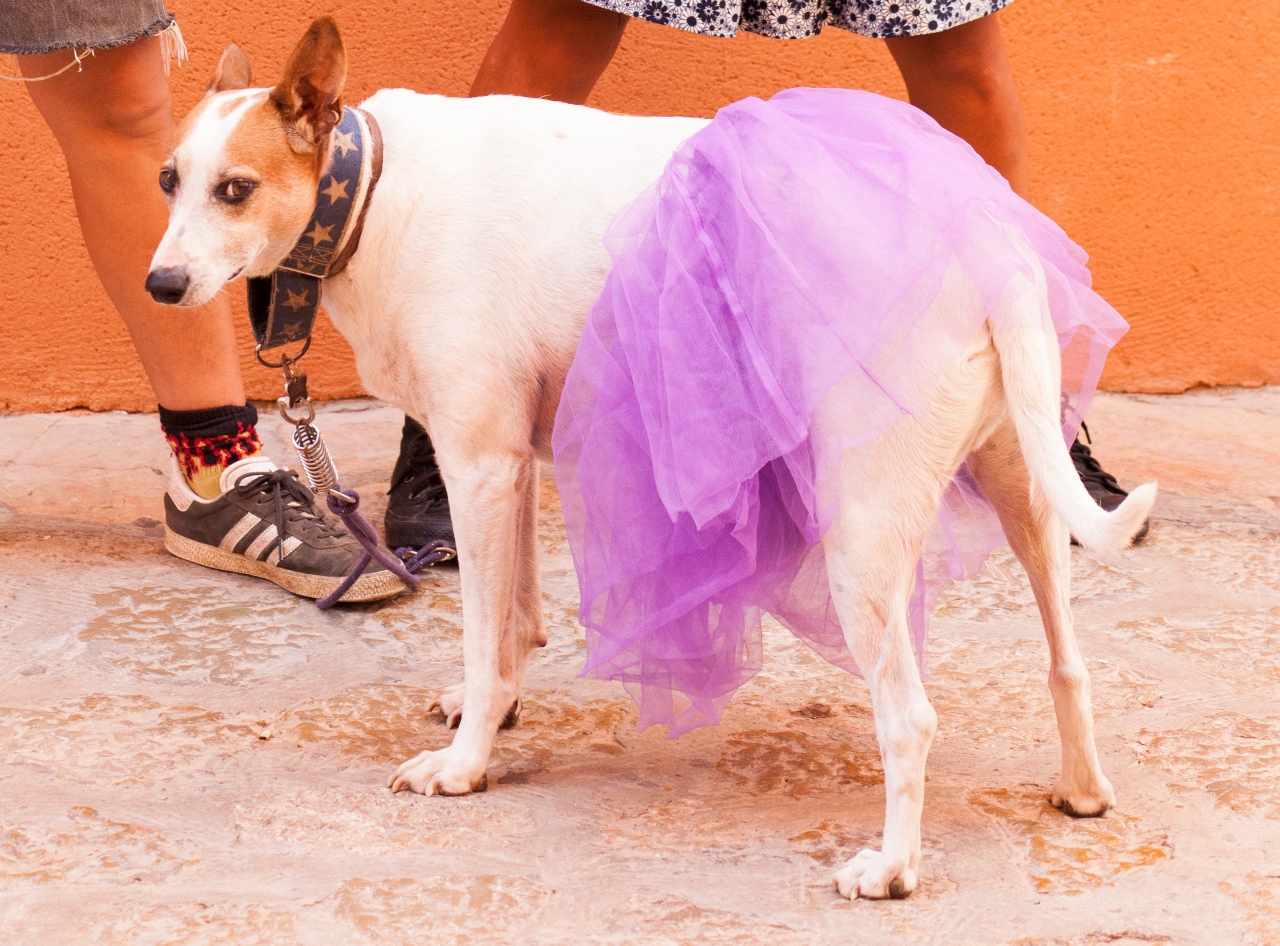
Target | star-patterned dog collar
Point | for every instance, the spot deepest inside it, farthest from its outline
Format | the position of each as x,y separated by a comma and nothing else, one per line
282,306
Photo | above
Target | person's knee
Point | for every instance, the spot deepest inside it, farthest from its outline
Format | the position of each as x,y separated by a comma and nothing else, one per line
972,68
120,94
144,114
138,105
969,59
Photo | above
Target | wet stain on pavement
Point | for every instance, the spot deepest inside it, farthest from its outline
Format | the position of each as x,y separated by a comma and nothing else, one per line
1233,757
1070,855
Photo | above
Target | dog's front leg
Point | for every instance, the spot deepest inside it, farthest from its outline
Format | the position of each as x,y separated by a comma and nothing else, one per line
489,496
530,625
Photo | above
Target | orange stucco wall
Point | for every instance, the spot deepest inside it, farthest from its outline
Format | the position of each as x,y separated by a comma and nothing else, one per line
1155,142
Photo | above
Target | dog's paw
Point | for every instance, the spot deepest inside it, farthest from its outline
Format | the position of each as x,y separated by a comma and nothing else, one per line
449,705
1092,800
438,772
871,876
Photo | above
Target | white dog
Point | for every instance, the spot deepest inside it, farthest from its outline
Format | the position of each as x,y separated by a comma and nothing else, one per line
480,258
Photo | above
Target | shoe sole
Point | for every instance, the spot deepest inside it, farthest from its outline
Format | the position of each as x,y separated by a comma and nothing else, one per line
368,587
415,535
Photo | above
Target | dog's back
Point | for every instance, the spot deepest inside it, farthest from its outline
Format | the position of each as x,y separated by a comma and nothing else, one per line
499,207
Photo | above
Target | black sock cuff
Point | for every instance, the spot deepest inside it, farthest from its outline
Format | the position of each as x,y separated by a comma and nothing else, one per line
208,422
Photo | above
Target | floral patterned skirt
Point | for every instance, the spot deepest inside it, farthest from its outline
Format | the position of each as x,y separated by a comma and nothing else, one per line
799,19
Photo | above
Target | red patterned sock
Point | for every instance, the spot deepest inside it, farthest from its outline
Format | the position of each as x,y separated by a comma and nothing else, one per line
206,442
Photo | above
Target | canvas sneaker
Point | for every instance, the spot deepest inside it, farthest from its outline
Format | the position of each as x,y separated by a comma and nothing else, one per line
266,523
1100,484
418,507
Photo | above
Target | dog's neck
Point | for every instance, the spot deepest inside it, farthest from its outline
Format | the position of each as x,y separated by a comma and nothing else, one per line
282,306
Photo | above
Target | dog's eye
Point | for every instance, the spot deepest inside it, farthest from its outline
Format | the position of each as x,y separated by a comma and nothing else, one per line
235,190
168,180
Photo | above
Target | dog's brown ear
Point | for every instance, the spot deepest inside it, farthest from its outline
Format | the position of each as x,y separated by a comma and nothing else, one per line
233,72
310,94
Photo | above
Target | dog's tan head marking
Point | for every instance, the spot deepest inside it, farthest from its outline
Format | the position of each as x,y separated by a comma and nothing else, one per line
241,182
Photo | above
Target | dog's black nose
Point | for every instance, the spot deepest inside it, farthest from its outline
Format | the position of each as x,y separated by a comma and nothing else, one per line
168,285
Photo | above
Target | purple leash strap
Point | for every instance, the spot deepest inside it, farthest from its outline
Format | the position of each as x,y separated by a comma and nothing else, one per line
346,506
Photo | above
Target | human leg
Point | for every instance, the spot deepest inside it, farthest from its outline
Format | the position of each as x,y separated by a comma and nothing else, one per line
418,504
113,123
553,49
962,77
228,508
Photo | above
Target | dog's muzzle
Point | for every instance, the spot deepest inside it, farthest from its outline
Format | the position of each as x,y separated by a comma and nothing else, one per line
168,285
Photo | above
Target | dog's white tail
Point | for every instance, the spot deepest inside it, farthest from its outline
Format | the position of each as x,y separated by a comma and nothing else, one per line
1031,392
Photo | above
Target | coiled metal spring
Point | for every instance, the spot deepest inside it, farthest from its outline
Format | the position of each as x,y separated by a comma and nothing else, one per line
322,475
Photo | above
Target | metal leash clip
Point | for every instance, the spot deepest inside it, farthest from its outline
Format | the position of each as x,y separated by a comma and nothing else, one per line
322,474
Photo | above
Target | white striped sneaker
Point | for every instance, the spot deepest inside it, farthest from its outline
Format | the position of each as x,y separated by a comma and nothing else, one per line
267,524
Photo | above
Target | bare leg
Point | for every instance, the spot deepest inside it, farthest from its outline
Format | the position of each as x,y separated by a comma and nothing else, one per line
553,49
962,78
1039,539
114,126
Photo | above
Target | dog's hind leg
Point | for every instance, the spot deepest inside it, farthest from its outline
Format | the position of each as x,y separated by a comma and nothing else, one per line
890,492
491,498
1040,540
871,553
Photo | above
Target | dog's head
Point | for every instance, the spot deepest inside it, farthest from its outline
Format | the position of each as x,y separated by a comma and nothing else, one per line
241,183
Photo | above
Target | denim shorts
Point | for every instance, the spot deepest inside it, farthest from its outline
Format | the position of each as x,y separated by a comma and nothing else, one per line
28,27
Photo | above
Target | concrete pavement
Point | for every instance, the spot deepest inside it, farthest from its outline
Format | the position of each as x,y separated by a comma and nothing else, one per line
193,757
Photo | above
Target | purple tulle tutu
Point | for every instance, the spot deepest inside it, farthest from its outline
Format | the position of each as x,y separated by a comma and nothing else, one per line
789,254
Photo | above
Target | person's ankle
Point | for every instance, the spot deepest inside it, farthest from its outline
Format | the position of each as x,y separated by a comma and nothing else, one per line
205,442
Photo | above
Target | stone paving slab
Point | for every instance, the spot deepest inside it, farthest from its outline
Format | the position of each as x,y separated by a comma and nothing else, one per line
192,757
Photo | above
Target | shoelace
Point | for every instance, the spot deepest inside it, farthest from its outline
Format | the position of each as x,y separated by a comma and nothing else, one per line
300,500
431,493
405,564
1087,466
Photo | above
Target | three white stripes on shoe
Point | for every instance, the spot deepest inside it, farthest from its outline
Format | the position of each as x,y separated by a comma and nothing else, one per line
261,547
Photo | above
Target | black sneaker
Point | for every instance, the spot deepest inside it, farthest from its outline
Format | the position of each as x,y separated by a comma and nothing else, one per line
418,511
266,524
1101,485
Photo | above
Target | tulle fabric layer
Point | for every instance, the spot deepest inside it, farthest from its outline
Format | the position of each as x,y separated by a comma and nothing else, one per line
786,261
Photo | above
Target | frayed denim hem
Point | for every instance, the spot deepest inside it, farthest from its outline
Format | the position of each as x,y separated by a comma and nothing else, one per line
164,23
